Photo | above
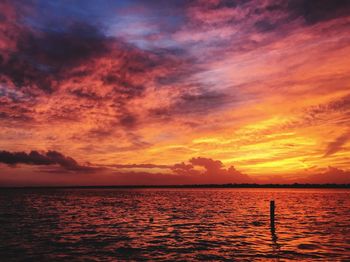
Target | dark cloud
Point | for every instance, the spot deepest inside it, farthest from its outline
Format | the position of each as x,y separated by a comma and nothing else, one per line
223,3
279,13
86,94
2,18
75,60
78,42
211,172
212,166
141,166
128,120
47,56
314,113
16,116
339,105
184,169
202,101
23,72
43,159
336,145
265,25
78,60
41,57
198,170
342,104
331,176
314,11
214,171
196,102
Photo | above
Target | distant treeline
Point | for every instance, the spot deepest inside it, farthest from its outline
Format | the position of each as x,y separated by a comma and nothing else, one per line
295,185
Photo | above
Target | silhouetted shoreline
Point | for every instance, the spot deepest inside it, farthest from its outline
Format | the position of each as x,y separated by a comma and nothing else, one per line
296,185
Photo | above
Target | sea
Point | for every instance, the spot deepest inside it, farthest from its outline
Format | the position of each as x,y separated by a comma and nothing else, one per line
174,224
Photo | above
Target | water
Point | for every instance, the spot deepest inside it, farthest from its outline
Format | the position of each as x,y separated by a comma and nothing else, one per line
188,224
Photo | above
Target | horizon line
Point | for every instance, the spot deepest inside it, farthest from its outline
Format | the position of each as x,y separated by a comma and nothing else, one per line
229,185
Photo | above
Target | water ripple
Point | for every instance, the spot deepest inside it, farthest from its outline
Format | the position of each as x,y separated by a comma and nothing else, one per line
174,224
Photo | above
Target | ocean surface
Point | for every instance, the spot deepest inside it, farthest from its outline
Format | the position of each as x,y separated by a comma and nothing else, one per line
174,225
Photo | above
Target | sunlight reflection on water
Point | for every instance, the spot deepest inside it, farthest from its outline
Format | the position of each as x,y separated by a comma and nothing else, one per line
174,224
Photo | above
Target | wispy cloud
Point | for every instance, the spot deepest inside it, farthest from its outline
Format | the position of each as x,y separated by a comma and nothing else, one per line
336,145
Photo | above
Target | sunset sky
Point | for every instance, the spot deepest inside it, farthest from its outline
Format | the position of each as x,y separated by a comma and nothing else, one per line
174,92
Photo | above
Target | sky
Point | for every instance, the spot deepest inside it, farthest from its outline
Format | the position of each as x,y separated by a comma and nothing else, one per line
174,92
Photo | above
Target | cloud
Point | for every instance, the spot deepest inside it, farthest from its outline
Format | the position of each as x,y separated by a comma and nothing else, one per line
145,166
214,171
43,159
211,166
336,145
320,10
332,175
143,80
42,58
184,169
198,170
73,72
195,102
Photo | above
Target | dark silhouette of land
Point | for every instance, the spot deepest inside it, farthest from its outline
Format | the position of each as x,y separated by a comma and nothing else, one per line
295,185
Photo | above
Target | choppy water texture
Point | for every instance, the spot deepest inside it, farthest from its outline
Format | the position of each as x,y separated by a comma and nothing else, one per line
188,224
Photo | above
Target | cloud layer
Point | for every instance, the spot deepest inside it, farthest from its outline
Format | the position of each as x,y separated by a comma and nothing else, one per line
199,170
42,159
261,85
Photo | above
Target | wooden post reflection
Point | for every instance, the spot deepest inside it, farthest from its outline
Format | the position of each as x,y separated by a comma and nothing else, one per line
274,238
272,215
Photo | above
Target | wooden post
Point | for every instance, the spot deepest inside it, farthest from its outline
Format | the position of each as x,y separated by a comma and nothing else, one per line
272,215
